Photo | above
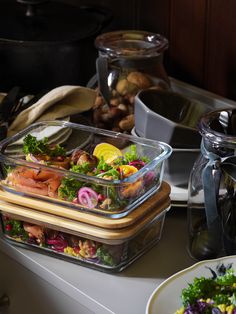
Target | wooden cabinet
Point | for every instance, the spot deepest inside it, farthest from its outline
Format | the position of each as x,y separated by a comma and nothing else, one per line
202,46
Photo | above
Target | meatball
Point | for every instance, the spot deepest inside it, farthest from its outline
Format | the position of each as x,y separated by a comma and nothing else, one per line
80,157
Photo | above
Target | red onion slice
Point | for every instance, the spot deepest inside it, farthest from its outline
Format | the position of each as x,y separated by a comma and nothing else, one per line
90,191
88,197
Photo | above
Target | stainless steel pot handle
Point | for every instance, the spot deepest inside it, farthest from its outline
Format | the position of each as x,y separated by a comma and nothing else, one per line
4,301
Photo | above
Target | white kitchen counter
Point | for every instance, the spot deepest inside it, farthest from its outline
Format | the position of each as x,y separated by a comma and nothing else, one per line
97,292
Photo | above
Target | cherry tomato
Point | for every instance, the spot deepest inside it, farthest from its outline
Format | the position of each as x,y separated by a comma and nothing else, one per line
8,227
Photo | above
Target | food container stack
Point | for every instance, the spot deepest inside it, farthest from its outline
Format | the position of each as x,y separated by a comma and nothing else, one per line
89,195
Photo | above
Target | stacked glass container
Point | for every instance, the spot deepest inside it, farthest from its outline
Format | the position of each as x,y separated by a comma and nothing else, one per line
39,213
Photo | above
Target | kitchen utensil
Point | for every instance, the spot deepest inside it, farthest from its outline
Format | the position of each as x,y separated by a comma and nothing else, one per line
9,103
46,44
102,76
8,107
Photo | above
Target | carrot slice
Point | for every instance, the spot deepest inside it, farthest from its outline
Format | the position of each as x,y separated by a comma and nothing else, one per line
127,170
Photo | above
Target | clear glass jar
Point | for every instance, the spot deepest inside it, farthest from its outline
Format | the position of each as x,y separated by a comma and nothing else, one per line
212,188
128,62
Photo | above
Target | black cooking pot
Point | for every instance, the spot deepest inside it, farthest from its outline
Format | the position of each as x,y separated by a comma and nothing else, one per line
45,44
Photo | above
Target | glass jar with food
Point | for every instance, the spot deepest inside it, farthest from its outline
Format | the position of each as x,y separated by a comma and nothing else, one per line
129,61
212,188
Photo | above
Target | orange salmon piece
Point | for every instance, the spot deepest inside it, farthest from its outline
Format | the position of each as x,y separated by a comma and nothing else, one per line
44,175
53,185
29,182
33,190
26,172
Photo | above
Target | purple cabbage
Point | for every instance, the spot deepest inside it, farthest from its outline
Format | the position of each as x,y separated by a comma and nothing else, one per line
197,308
58,244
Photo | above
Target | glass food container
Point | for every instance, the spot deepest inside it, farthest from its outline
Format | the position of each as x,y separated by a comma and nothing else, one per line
212,188
82,167
104,249
129,61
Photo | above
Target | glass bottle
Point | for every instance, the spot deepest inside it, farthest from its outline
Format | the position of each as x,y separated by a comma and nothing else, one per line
128,62
212,188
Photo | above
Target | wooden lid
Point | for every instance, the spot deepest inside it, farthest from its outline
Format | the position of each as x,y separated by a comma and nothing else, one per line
158,201
110,236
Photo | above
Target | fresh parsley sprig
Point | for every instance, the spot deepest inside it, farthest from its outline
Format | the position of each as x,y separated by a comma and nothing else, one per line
31,145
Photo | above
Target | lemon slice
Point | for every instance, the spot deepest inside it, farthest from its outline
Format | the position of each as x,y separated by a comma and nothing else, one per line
108,151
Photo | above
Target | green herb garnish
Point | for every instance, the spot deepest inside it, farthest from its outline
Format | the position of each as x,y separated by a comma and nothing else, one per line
110,173
57,150
84,168
69,188
41,147
130,156
17,229
102,166
105,256
200,288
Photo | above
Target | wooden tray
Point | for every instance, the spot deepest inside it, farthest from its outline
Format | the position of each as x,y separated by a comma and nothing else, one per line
117,235
157,200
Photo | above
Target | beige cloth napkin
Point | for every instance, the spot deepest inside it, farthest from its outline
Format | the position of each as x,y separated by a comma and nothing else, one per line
59,103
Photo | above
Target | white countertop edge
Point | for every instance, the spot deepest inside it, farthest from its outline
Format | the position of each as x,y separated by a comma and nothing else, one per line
23,257
119,293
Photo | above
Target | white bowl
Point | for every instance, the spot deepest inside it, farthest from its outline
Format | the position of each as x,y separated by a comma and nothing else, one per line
179,165
169,117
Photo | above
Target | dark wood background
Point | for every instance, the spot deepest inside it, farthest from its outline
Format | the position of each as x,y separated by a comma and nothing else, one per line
201,33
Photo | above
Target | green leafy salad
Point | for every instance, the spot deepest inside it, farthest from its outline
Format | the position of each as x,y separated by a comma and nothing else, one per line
213,295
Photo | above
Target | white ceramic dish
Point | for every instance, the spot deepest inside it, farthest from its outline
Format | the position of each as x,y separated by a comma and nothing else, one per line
169,117
54,134
178,196
177,171
166,299
60,137
50,132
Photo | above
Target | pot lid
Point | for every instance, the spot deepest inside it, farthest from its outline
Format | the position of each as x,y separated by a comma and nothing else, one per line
46,21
